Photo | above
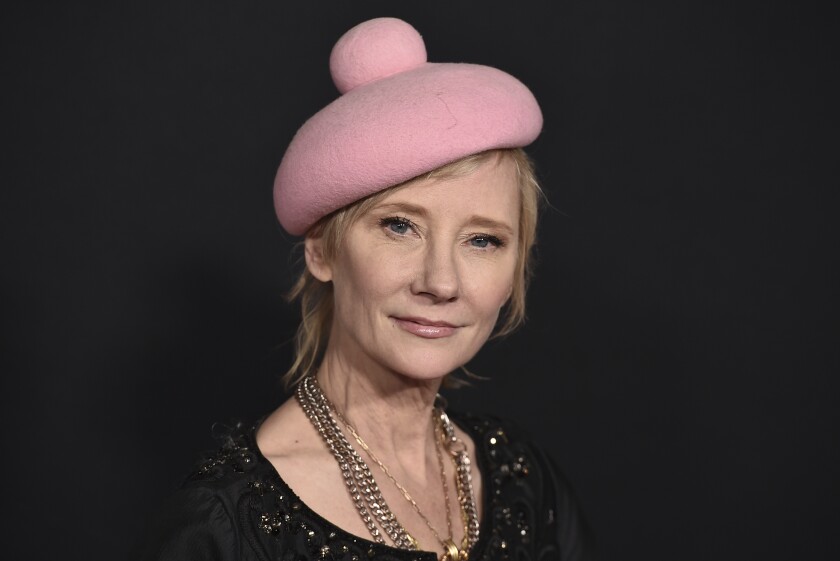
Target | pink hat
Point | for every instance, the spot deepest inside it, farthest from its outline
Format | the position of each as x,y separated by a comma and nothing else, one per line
398,117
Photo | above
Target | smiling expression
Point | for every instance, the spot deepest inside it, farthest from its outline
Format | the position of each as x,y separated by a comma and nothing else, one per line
421,276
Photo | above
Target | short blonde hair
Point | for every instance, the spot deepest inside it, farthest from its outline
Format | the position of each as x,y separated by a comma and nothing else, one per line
316,297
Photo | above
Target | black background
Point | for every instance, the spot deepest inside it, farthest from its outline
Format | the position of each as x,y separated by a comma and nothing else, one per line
681,350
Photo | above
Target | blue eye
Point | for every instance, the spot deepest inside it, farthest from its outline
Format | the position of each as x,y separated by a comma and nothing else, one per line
399,226
486,241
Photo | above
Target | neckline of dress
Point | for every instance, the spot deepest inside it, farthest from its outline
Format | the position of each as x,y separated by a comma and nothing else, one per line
484,522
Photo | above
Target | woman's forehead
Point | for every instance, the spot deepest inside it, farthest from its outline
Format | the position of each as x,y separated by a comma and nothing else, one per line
491,189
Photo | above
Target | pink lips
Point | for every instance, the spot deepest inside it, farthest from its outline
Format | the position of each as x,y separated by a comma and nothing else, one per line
425,328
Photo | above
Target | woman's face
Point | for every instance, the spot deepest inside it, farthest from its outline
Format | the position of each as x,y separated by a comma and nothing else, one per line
420,278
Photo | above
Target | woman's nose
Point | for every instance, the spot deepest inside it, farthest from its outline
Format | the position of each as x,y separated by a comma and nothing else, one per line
438,276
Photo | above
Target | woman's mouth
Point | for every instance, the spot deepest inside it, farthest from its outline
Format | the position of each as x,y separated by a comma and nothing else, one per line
426,328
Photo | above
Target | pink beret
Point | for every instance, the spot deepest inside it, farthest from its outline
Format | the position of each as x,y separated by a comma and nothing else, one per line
398,117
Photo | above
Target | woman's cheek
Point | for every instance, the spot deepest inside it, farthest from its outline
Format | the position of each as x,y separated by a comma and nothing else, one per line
493,284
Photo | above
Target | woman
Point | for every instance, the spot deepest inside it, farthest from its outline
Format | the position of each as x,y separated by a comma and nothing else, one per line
418,210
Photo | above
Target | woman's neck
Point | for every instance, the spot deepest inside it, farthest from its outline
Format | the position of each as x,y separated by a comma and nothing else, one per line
392,413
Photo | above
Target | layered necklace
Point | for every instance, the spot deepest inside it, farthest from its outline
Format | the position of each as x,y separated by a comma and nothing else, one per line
365,493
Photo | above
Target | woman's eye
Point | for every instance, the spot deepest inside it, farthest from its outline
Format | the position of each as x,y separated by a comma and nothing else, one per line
398,226
485,241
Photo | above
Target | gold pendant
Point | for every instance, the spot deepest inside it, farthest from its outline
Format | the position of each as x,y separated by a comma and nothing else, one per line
452,552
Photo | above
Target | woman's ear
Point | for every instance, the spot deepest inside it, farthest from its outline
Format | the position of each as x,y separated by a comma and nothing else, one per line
313,251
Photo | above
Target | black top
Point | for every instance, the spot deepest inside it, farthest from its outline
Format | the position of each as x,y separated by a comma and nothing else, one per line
235,507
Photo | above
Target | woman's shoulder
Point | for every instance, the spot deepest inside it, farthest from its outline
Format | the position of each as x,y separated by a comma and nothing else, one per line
504,445
235,506
234,456
202,518
484,424
526,488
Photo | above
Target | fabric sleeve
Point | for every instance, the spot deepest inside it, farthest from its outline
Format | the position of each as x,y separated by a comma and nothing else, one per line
193,525
568,536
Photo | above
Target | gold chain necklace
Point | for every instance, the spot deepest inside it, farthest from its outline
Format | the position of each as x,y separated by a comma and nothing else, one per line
359,480
362,487
438,444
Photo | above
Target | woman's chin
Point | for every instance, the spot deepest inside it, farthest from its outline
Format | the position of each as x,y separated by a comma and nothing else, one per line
426,367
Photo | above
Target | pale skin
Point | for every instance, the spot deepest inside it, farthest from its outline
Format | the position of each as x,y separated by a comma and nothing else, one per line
436,251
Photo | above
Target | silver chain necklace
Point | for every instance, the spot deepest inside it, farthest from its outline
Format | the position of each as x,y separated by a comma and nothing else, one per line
362,487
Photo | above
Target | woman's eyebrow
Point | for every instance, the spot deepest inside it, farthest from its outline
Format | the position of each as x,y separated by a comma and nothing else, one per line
408,208
491,224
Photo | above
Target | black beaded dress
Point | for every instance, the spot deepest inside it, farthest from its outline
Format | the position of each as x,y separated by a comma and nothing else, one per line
235,507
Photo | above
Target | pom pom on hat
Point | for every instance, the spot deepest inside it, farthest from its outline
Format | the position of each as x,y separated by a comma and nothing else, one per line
373,50
398,117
